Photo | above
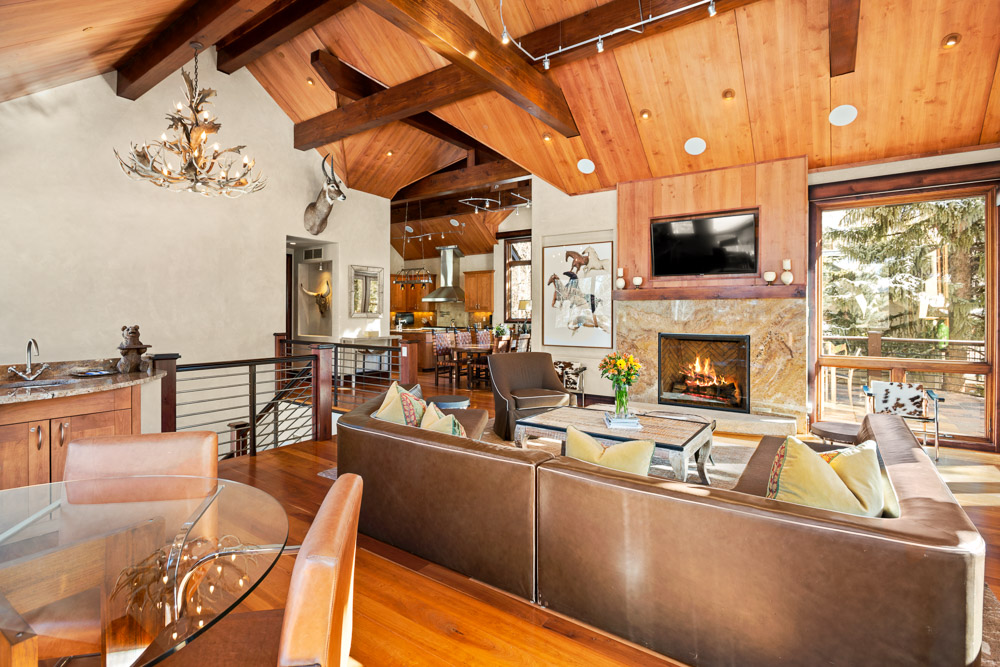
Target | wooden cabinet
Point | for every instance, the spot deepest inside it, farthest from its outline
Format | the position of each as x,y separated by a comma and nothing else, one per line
34,434
479,291
409,298
425,348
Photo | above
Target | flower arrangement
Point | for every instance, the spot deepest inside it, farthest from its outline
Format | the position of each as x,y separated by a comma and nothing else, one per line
623,371
499,330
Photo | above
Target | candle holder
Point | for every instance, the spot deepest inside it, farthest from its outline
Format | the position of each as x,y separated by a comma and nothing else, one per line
637,280
769,277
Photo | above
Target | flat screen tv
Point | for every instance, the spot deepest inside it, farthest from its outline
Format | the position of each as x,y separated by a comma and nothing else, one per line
717,244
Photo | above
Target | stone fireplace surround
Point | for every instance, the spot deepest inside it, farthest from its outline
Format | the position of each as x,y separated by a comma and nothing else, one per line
778,340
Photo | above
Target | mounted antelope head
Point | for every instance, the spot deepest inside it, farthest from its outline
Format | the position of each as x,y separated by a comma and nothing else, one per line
323,299
318,212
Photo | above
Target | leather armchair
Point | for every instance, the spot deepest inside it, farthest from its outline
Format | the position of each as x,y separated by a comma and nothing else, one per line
524,384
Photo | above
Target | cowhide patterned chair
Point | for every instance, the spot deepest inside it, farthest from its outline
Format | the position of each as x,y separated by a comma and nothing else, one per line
909,401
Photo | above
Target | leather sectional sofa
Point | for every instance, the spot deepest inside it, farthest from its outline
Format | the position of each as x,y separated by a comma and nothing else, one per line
705,576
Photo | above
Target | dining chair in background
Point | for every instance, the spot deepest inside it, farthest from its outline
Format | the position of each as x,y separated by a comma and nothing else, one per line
444,362
315,626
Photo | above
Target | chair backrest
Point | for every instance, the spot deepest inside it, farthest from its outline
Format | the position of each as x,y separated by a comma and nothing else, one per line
898,398
526,370
501,344
443,342
193,453
524,343
316,629
463,338
484,337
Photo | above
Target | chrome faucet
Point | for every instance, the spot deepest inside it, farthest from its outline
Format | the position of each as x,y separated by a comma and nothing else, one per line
27,374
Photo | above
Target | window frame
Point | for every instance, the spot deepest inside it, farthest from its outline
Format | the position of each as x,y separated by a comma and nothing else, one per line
507,264
895,368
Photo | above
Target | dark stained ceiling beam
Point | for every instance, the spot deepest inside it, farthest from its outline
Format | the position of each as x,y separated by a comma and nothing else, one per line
434,89
449,182
447,30
289,21
206,22
844,18
591,24
353,85
438,207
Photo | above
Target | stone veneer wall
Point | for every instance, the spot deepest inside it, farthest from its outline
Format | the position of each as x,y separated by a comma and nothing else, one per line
778,340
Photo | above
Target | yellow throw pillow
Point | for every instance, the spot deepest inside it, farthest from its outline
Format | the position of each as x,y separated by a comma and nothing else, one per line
401,407
803,476
448,424
431,414
633,456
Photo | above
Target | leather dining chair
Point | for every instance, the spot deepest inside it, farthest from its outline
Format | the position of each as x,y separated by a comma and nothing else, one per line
194,453
315,626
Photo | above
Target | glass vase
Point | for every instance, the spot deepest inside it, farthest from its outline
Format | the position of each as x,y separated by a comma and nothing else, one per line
621,400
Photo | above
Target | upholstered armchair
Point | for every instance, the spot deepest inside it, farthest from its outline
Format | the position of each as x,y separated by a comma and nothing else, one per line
524,384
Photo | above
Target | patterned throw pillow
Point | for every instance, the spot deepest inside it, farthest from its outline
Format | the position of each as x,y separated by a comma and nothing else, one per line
431,415
435,420
401,407
846,480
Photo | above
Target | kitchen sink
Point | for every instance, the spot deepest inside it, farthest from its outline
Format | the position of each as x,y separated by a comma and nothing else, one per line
31,384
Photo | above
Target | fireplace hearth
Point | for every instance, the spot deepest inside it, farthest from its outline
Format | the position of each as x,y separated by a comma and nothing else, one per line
705,371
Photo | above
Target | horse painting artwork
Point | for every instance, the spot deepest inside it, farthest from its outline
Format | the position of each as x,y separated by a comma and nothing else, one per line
577,304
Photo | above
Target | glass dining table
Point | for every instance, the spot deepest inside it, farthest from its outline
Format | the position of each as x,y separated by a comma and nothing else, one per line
133,568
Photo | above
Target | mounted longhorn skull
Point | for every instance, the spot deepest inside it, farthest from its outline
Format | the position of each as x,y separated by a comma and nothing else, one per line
323,299
318,212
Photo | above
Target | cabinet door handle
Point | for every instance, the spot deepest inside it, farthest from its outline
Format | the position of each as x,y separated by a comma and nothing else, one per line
33,429
62,433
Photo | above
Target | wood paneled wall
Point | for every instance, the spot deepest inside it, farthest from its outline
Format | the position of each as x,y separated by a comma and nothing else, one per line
777,188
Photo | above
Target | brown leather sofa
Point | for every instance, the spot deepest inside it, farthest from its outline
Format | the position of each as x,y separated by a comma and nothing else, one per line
706,576
467,505
524,384
717,577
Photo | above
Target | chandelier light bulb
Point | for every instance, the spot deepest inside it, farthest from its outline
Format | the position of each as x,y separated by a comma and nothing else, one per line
505,38
711,8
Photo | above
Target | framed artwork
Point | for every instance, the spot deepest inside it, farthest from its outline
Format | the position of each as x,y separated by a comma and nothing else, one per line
576,295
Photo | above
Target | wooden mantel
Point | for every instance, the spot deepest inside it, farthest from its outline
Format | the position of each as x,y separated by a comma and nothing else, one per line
778,189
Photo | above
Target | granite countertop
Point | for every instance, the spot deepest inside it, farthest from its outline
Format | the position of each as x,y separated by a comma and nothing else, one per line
61,371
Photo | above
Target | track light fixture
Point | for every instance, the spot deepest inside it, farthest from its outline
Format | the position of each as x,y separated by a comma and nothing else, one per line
600,45
505,38
545,63
711,8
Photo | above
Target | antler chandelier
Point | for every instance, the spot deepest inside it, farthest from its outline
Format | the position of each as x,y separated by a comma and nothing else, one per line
182,160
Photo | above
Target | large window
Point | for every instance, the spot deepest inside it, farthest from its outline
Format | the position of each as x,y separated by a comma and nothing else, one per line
904,297
517,279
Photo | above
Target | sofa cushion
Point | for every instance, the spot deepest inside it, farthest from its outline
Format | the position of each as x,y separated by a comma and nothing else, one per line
401,407
539,398
449,424
633,456
803,476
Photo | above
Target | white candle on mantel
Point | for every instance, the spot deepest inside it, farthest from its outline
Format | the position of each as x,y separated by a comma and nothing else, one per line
786,264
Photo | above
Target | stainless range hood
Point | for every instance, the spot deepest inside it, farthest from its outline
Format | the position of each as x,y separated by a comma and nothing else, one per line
448,290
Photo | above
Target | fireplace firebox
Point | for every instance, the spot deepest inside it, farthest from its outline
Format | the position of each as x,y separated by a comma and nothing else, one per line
705,371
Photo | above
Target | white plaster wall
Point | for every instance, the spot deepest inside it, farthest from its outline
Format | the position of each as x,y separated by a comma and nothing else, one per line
559,219
84,250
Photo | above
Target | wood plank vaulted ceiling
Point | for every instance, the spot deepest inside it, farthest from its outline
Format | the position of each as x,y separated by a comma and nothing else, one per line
913,95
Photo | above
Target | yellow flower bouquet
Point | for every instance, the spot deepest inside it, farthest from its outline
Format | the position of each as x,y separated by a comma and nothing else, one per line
623,371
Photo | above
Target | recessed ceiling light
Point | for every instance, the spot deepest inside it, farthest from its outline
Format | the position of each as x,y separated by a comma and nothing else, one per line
454,222
388,153
310,82
728,94
695,146
547,137
586,166
843,115
291,243
645,114
951,40
409,230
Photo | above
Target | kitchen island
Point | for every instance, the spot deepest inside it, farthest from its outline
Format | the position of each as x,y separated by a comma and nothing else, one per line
38,418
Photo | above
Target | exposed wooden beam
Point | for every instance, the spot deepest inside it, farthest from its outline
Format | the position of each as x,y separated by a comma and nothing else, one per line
292,19
844,18
589,25
450,32
353,85
434,89
206,22
448,182
438,207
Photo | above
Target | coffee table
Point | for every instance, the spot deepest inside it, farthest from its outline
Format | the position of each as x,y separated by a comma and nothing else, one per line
680,437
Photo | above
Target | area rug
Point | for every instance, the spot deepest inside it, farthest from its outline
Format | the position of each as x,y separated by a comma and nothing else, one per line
728,461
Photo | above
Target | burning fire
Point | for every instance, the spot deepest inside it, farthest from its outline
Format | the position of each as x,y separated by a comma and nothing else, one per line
701,374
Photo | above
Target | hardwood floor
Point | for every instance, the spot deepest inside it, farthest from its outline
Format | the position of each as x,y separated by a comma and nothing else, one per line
410,611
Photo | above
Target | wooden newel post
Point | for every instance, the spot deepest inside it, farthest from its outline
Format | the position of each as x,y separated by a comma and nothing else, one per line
874,350
322,392
168,390
281,374
408,363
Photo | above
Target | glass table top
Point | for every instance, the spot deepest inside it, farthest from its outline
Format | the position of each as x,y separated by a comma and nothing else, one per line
133,568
